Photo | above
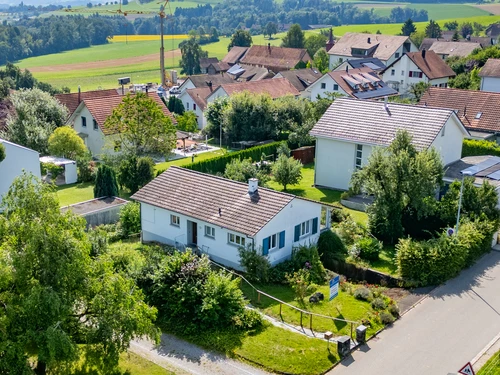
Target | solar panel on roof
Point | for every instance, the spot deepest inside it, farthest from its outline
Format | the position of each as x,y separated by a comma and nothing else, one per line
371,66
494,175
482,166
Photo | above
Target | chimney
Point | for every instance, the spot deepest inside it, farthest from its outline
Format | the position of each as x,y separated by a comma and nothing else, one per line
253,186
209,84
369,40
423,53
269,47
220,211
465,111
386,102
347,68
79,94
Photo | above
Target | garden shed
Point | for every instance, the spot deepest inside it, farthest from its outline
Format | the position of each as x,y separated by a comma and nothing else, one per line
105,210
69,174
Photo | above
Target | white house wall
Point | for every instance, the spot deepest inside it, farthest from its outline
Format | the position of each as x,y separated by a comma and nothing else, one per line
188,104
491,84
450,145
296,212
187,84
95,140
17,159
335,162
316,89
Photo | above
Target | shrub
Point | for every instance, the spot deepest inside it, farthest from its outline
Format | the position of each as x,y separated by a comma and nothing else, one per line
378,304
2,152
308,257
393,310
87,168
99,239
277,274
54,170
369,248
338,215
105,182
299,282
363,294
386,318
136,172
130,218
331,249
349,231
256,266
474,147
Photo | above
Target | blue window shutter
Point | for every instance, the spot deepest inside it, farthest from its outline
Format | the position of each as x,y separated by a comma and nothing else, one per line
265,246
297,233
282,240
315,225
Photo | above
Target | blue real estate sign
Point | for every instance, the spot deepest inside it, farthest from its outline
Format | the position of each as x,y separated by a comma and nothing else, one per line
334,287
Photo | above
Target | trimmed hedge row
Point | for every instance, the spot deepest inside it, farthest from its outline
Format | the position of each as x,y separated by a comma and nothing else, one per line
474,147
435,261
218,163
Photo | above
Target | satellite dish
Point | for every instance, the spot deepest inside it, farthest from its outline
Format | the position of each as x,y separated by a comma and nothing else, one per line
450,231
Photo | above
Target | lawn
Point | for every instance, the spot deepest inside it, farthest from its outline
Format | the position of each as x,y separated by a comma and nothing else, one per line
492,367
344,306
137,365
386,262
80,192
306,189
184,161
440,11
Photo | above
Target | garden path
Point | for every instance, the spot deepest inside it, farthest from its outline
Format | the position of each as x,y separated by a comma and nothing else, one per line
442,333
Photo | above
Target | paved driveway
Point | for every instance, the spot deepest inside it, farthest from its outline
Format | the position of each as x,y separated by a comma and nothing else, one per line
442,333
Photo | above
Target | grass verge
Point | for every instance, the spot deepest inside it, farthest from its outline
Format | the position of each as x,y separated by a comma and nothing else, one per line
136,365
492,367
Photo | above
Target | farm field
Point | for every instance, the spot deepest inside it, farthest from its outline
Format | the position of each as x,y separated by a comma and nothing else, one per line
438,11
101,66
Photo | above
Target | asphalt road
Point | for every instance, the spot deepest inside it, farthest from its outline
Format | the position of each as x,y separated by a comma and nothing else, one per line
442,333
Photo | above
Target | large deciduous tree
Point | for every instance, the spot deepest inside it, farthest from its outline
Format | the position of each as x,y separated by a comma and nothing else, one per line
270,29
37,115
240,38
187,122
294,37
315,42
55,298
286,170
322,60
403,182
65,142
191,54
141,127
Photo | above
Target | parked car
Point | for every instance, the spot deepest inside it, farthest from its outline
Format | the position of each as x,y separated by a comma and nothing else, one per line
174,90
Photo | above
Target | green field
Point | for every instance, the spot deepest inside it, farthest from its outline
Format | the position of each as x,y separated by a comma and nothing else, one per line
440,11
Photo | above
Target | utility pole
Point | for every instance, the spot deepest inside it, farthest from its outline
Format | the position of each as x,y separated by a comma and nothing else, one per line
162,49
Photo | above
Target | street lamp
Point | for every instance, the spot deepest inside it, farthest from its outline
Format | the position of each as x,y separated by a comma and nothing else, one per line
464,173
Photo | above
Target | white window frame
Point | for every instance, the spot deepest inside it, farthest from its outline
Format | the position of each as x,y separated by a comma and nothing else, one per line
84,122
235,240
358,157
95,125
187,106
175,220
209,231
305,228
273,241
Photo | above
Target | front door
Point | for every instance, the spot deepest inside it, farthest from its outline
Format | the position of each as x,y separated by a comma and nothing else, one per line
195,232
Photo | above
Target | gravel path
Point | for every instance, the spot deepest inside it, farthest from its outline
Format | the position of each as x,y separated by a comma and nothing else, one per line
182,357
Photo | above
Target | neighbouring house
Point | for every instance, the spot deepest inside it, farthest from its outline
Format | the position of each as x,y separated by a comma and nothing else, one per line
482,40
72,100
234,55
449,49
197,99
204,80
350,129
478,110
493,31
205,62
370,62
387,48
216,216
301,79
362,83
218,68
245,73
69,174
482,168
490,76
89,118
17,159
274,58
414,67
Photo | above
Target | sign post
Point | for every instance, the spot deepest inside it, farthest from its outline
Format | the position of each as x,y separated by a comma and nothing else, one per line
334,287
467,370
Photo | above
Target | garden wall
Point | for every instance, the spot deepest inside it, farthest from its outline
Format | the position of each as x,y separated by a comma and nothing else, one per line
98,211
355,273
304,154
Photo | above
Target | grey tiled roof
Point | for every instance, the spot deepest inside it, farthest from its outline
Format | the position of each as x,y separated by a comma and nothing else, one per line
369,122
200,196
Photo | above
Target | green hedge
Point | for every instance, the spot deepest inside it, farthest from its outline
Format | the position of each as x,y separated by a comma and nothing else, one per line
435,261
218,163
474,147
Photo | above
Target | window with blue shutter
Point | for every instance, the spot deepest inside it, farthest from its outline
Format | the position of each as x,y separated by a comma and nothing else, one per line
265,246
282,240
315,225
296,237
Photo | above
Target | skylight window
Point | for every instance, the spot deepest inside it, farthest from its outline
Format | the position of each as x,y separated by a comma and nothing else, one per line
478,116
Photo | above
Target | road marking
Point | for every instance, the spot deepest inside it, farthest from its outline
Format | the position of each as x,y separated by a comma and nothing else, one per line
485,349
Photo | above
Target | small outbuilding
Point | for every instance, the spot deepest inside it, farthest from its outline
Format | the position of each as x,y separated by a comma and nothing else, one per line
69,175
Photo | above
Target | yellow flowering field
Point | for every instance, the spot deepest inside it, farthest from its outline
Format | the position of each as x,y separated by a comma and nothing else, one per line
143,38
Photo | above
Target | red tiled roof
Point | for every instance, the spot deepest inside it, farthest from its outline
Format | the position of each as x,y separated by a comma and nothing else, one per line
432,65
275,58
478,110
234,55
102,108
200,95
276,88
71,100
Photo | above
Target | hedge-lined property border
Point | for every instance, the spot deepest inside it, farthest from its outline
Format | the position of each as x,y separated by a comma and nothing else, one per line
218,163
475,147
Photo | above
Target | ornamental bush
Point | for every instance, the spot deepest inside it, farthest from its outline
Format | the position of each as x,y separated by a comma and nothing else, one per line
386,318
256,266
369,248
363,294
130,219
331,249
379,304
105,182
307,257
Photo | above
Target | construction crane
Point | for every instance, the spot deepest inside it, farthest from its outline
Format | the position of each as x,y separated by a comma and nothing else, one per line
162,15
